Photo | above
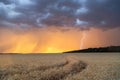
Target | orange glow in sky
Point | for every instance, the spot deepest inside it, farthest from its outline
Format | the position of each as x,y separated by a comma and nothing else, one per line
47,41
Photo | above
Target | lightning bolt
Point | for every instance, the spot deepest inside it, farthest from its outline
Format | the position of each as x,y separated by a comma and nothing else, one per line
82,40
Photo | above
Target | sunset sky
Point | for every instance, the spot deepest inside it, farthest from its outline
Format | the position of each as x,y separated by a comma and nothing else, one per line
54,26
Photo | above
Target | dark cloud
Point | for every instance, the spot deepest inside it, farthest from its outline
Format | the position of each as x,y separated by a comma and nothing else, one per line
5,1
97,13
102,14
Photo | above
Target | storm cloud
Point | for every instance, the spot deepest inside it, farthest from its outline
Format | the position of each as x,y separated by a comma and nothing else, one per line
60,13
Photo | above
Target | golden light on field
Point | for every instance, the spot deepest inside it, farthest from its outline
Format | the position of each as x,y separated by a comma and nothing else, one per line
53,50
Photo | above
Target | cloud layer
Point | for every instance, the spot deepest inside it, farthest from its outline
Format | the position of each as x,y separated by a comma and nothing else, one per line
60,13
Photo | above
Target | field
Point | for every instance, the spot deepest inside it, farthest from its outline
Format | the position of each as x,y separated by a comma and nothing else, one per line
88,66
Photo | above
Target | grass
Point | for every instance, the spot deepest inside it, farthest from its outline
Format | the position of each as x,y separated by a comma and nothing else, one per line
60,67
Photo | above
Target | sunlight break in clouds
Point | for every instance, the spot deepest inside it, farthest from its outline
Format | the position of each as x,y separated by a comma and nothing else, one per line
39,26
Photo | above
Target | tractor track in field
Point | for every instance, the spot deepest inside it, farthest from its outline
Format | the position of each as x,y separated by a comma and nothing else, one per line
73,66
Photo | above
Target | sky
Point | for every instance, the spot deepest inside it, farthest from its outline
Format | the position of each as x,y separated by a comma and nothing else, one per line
46,26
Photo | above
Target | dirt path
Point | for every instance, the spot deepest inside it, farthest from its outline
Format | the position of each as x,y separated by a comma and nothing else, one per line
73,66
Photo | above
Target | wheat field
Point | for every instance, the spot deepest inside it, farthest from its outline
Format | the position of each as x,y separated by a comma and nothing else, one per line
72,66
